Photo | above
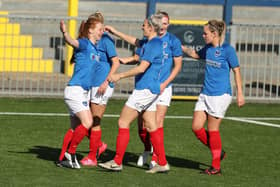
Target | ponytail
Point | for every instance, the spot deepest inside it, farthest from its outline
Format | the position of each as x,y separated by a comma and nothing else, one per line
86,25
82,34
219,27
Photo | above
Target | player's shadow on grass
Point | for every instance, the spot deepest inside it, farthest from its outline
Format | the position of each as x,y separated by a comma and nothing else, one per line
46,153
185,163
130,160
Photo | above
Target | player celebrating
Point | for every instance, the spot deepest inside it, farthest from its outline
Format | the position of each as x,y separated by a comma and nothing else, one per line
215,96
142,100
170,68
101,91
75,121
76,93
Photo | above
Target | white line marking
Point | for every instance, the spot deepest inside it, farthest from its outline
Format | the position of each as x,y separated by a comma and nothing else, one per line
179,117
251,120
32,114
259,118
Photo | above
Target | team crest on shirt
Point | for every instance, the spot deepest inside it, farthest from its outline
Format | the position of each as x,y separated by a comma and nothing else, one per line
94,57
165,45
85,103
217,53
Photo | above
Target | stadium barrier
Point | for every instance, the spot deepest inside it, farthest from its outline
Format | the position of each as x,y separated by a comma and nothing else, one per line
258,52
32,57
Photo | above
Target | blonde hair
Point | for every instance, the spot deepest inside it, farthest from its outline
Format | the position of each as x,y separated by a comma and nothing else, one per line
219,27
155,21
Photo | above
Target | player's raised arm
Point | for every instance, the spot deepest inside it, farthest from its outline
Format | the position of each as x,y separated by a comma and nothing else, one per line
68,39
130,39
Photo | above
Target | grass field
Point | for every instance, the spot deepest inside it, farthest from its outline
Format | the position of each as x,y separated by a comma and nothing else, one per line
31,143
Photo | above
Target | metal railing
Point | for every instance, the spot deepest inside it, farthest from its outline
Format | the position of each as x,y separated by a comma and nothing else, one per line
23,32
258,52
257,48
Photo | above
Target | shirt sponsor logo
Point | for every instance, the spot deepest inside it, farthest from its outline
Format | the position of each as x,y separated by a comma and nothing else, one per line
213,63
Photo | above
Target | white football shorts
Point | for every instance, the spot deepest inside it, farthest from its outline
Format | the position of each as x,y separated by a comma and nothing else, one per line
101,99
76,99
214,105
165,98
141,100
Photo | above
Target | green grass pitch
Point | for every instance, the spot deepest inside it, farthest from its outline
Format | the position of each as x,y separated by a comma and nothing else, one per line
31,144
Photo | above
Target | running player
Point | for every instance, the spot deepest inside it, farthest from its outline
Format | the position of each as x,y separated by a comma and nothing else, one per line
215,96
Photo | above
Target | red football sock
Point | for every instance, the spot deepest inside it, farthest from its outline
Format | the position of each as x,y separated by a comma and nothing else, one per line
78,135
158,146
95,139
201,134
145,138
122,142
161,132
216,148
88,135
66,140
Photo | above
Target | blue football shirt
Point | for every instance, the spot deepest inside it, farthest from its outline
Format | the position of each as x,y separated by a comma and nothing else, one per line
219,61
86,57
171,48
107,50
151,51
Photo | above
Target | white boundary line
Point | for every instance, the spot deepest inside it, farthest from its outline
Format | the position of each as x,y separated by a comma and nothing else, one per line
31,114
254,122
241,119
259,118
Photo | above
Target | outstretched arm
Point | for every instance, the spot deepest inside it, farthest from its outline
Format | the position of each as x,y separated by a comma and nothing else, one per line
238,82
68,39
132,60
190,52
130,39
132,72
